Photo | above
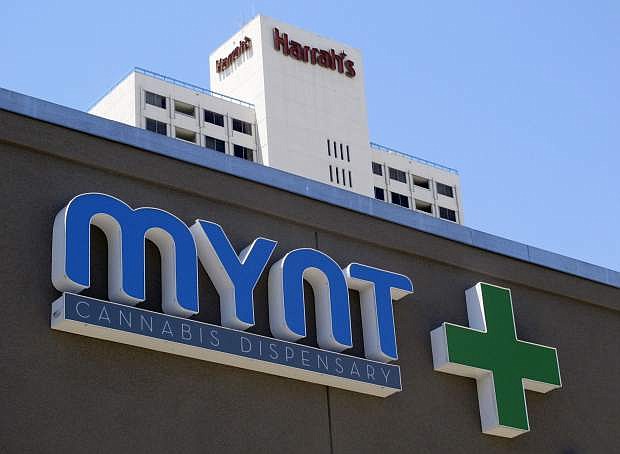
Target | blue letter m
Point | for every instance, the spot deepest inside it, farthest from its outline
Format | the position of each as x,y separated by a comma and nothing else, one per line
125,230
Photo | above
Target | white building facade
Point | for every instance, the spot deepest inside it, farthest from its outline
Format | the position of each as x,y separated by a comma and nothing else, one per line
290,99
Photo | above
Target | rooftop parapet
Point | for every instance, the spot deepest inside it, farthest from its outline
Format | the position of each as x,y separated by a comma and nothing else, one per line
178,83
376,146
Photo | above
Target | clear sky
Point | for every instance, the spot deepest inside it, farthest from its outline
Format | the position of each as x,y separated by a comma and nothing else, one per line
523,98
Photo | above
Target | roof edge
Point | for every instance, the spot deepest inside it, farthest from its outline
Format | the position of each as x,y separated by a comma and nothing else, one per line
117,132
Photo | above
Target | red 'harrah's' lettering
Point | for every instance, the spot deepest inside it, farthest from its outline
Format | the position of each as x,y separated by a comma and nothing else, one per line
225,63
326,58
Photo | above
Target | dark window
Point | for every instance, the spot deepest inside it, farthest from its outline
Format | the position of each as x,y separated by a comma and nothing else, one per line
350,180
331,175
185,134
157,126
341,153
344,180
424,206
398,175
184,108
214,118
215,144
155,100
242,126
445,213
348,155
400,199
421,182
337,175
444,189
329,150
244,153
377,168
379,193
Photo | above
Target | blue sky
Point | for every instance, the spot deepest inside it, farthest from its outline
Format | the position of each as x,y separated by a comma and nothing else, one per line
522,97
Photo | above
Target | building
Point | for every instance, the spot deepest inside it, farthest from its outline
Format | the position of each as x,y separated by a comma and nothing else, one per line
88,386
170,107
289,99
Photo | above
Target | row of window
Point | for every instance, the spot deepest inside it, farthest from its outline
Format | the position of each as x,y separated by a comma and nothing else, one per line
403,201
219,145
218,120
340,175
210,142
187,109
399,175
335,150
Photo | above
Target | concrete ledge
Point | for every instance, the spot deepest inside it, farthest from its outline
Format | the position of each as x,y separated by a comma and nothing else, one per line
176,149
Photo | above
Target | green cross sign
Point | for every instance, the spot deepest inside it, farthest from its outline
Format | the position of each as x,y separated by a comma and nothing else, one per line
503,366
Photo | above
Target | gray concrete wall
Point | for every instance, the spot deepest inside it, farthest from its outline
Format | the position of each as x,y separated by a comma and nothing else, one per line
66,393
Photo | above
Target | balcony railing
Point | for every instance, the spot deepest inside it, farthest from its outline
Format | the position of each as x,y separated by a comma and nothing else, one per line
192,87
376,146
178,83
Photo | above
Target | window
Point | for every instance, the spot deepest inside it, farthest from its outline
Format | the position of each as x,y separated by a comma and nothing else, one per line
377,168
242,126
215,144
400,199
424,206
185,134
331,174
421,182
350,180
337,175
444,189
348,155
379,193
214,118
329,150
155,100
244,153
157,126
341,153
344,180
184,108
446,213
398,175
